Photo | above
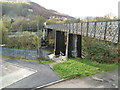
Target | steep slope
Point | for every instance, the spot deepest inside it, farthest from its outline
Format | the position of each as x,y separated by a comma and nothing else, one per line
45,12
23,9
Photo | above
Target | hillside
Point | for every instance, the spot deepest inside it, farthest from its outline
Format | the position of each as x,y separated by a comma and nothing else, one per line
13,9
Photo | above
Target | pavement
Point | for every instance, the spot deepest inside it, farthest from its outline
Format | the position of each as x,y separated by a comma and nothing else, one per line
11,73
101,80
43,76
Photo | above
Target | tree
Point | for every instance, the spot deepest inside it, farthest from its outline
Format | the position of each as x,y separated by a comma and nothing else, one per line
31,20
52,20
4,35
35,41
4,32
6,22
72,20
77,20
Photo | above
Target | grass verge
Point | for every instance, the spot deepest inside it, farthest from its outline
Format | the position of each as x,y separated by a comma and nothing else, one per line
81,67
46,61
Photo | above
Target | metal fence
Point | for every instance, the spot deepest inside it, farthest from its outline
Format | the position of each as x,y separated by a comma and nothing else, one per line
22,53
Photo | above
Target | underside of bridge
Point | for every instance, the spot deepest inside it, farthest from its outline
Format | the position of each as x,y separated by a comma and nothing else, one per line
50,34
74,43
60,43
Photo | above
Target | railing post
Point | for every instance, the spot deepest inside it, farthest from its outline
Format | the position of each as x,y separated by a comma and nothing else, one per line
118,32
95,29
105,30
76,28
73,30
81,27
87,28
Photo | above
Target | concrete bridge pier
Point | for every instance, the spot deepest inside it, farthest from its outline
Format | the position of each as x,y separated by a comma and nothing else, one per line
79,46
74,45
60,42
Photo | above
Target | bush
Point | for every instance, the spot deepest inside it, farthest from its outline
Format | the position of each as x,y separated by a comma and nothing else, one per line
21,42
100,51
4,27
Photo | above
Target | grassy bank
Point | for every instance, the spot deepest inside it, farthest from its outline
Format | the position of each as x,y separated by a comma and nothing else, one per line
81,67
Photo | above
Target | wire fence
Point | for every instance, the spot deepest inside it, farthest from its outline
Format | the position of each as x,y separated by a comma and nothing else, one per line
22,53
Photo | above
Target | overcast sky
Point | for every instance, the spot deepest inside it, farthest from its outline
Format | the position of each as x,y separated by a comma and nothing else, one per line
81,8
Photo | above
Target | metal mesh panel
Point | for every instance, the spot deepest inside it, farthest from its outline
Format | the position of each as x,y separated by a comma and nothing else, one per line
100,30
91,29
112,31
84,29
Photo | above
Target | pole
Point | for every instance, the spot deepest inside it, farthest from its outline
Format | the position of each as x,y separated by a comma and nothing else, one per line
38,42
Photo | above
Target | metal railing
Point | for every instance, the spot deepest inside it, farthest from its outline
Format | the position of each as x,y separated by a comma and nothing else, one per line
104,30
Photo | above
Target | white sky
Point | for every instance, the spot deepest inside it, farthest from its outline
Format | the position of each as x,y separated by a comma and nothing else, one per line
82,8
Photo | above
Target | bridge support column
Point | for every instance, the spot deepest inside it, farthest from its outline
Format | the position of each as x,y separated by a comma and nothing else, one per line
59,43
74,45
79,46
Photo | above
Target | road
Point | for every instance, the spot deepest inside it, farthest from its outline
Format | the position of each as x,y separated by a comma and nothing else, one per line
43,76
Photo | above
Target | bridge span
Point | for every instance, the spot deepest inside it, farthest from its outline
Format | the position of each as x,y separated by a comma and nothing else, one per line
103,30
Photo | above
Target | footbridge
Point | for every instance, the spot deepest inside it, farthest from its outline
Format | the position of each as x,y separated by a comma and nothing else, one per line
68,36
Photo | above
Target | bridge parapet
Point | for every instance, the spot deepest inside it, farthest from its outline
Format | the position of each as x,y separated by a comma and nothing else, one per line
104,30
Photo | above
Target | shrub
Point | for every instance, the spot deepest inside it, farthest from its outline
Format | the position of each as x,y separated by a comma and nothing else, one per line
100,51
21,42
